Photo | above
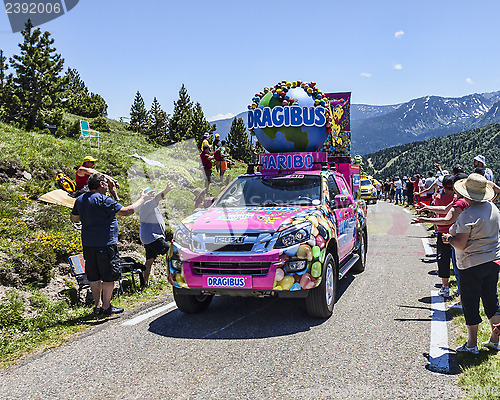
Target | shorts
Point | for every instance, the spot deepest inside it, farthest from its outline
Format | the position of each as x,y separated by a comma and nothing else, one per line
154,249
102,263
223,165
479,282
208,173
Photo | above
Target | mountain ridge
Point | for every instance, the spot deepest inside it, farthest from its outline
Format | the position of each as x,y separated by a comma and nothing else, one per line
378,127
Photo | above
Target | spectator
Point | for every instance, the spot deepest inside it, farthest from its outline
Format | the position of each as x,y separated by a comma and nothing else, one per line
392,192
475,239
85,170
152,233
398,186
216,143
387,189
409,190
443,249
223,159
206,161
205,140
199,198
480,162
97,213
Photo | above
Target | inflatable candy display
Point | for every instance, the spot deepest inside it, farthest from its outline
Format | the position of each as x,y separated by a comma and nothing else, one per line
297,116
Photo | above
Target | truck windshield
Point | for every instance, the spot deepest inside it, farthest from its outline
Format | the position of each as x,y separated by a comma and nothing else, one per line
266,191
366,182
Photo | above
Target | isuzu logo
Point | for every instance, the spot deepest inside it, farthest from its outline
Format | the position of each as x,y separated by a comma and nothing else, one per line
230,239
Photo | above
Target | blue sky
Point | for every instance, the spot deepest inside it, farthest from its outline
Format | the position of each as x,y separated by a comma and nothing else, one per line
384,52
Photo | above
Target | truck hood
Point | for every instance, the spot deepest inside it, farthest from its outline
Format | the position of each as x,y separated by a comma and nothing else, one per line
246,218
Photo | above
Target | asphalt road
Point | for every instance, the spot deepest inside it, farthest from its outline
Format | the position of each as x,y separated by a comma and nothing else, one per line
373,347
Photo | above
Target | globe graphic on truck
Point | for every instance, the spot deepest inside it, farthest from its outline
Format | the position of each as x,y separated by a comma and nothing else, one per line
276,139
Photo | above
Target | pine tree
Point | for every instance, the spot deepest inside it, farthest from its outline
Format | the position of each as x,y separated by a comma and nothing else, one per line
158,123
238,143
181,123
138,114
200,125
38,84
79,100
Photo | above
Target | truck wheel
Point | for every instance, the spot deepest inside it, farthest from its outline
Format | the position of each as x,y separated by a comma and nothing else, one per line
320,301
191,303
360,264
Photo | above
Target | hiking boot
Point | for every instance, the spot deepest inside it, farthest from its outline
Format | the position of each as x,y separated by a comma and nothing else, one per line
465,349
444,291
112,310
491,345
98,310
456,306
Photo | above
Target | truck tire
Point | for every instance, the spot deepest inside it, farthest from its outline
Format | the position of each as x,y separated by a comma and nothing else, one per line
191,303
360,264
321,299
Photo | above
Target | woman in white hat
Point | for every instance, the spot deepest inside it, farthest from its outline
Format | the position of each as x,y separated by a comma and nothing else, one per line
475,237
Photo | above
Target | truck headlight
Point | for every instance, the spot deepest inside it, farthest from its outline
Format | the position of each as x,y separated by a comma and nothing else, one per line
183,236
294,235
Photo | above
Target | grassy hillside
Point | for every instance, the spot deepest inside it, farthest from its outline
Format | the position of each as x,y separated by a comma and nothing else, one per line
420,157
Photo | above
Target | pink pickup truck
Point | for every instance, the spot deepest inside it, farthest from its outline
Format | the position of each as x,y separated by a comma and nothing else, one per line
293,229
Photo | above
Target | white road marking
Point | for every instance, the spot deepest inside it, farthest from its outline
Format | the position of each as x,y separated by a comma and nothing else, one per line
406,211
429,251
439,355
170,306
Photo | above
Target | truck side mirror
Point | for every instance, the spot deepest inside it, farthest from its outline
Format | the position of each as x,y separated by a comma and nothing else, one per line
339,200
208,202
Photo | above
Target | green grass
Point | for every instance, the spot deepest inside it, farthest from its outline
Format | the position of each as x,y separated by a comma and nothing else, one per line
482,371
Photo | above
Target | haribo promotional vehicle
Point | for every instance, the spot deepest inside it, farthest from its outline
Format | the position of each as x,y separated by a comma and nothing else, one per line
291,226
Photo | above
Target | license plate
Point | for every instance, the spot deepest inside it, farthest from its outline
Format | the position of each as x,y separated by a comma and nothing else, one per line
229,282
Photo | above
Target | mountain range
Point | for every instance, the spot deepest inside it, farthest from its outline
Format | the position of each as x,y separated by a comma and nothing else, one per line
378,127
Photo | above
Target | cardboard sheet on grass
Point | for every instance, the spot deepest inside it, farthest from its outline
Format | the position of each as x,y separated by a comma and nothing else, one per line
59,197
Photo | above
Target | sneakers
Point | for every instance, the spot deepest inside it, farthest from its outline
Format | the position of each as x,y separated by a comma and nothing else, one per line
491,345
465,349
456,306
98,310
444,291
112,310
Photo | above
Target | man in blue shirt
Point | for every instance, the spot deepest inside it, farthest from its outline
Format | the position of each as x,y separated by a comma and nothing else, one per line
97,213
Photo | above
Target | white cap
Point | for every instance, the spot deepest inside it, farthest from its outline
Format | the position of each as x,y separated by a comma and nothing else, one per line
481,159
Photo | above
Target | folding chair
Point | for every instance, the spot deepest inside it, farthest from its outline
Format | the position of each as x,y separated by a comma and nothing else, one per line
77,264
130,267
87,133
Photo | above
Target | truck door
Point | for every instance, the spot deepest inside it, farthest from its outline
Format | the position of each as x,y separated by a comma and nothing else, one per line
345,212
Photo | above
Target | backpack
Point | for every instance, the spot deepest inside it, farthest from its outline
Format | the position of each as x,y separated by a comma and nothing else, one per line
65,183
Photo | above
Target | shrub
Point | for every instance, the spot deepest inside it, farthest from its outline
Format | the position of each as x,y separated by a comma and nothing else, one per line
11,309
100,124
38,300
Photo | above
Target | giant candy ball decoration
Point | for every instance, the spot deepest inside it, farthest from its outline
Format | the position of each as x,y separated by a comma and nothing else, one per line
290,117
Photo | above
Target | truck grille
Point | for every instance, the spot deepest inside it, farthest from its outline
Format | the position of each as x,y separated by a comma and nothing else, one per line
214,268
228,247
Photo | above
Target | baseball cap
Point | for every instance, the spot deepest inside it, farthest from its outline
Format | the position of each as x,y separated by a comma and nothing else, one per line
206,134
217,135
206,146
457,169
481,159
448,181
89,159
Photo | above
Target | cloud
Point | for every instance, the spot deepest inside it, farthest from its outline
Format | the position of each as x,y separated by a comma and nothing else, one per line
366,74
469,81
220,116
398,34
397,66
